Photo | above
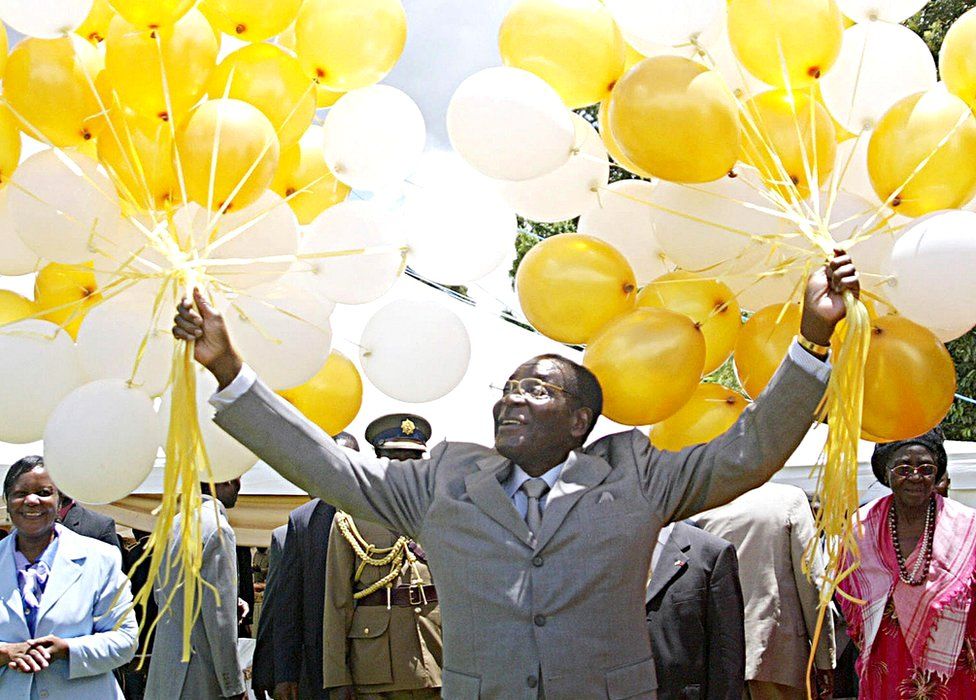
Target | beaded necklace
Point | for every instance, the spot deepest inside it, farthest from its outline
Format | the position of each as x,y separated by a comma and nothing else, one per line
921,569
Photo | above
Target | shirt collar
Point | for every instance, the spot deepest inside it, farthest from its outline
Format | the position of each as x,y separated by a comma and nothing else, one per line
518,477
664,534
47,556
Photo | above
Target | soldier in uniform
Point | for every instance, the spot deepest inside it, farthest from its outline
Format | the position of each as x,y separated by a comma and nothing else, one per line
382,623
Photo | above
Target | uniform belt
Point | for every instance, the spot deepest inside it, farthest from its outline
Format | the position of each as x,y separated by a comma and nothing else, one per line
404,596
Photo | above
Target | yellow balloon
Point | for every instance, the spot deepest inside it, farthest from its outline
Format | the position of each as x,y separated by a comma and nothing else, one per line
763,343
957,59
305,180
95,26
909,380
632,58
48,84
613,148
785,158
349,44
695,134
332,398
250,20
574,45
14,307
707,302
238,143
710,411
648,363
786,44
66,293
137,153
4,47
267,77
570,286
324,97
9,144
152,14
910,134
133,67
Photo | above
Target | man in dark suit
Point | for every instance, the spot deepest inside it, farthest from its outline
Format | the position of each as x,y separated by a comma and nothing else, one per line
86,522
297,630
263,667
695,616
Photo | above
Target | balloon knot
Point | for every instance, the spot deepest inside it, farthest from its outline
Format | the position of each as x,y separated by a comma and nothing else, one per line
240,29
629,288
896,201
95,37
289,192
814,72
320,72
163,115
85,134
794,179
731,400
152,34
732,173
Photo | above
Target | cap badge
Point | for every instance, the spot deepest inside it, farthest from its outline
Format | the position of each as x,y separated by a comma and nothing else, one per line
407,427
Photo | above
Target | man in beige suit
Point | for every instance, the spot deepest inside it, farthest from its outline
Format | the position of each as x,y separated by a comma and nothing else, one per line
540,548
771,527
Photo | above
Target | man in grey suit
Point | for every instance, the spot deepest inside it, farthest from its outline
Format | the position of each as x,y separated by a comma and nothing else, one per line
213,670
272,608
540,548
695,616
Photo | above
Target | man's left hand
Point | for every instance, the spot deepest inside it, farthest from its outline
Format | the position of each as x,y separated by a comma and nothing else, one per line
823,302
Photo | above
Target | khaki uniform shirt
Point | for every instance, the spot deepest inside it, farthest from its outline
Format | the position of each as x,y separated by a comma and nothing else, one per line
372,647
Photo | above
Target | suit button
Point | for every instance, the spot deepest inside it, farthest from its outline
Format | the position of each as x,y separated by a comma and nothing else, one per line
532,681
540,620
536,561
365,630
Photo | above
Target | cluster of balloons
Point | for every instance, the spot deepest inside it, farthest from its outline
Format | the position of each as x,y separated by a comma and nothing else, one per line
149,146
762,135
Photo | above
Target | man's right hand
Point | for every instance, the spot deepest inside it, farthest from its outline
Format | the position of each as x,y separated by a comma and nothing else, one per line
286,690
205,328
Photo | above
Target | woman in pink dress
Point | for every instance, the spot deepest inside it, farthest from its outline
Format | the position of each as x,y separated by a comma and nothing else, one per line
915,622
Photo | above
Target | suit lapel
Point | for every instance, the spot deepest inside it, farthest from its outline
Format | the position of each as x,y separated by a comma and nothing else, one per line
485,491
673,560
583,473
64,572
8,582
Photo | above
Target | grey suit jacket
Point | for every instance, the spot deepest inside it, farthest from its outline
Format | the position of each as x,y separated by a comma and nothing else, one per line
771,527
213,670
694,617
298,630
564,610
263,667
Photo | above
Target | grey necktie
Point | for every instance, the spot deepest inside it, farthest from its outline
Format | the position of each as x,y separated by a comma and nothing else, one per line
534,490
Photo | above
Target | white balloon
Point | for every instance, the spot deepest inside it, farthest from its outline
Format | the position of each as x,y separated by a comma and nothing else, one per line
39,367
264,230
510,124
623,219
458,228
851,167
373,137
101,441
887,10
63,206
417,356
946,335
644,22
857,220
932,271
878,65
111,336
358,277
771,281
16,258
707,227
228,458
45,19
570,189
283,331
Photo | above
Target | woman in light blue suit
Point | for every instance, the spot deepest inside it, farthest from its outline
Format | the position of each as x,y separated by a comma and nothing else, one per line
65,621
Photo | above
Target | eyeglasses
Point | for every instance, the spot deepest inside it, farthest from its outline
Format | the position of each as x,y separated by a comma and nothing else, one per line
531,388
926,471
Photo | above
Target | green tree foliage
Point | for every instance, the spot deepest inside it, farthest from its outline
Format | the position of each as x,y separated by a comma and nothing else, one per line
933,21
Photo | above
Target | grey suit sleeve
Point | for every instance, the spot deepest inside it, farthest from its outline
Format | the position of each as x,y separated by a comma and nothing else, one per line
220,621
364,486
725,628
705,476
287,630
802,531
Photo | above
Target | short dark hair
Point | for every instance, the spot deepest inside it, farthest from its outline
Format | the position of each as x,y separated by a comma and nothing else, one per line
351,442
582,385
17,470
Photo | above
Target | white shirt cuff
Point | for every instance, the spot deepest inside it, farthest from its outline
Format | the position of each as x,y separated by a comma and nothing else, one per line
819,368
236,389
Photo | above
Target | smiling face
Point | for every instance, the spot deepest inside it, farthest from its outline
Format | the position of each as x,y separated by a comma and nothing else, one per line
914,490
538,432
32,503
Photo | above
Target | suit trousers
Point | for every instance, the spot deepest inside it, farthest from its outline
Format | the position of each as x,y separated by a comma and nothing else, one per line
765,690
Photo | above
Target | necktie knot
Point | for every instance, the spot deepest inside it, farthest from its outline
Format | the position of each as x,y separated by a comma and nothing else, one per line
535,488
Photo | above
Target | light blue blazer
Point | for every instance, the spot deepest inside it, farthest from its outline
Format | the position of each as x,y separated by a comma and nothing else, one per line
80,606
